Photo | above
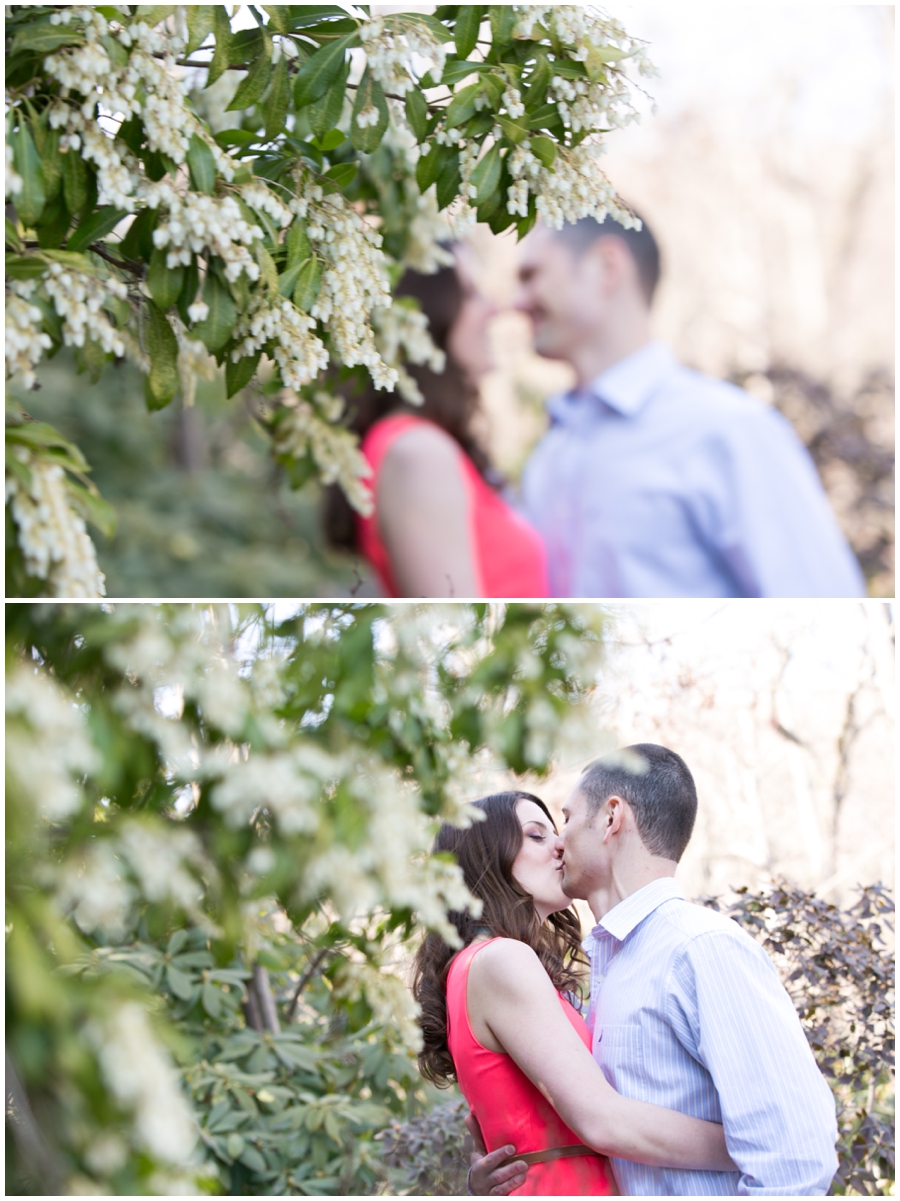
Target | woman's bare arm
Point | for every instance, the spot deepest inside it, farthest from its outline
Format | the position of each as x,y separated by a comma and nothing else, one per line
510,991
422,506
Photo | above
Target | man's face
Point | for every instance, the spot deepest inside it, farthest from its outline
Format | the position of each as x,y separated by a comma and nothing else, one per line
584,855
563,294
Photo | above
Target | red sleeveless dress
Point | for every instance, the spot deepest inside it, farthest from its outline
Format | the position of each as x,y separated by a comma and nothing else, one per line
509,554
509,1108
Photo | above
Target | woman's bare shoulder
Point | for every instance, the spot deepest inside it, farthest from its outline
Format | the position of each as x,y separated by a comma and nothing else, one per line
423,446
505,961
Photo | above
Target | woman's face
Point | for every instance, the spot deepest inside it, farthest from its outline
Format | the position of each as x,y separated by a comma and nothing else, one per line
537,866
468,341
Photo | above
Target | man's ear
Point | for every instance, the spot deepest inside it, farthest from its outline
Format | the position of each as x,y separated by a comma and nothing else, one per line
614,261
613,816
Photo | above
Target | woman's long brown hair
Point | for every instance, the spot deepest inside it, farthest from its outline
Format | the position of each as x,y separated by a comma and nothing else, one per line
486,851
450,399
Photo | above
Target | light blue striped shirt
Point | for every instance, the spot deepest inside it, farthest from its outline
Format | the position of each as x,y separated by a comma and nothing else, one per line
655,480
687,1011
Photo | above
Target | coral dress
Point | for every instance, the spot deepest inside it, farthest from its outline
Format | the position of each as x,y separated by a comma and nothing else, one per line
510,1109
509,553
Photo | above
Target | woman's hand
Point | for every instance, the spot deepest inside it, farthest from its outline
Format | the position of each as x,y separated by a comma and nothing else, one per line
422,504
513,1004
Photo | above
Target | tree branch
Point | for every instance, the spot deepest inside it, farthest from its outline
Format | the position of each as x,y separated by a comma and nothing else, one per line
311,969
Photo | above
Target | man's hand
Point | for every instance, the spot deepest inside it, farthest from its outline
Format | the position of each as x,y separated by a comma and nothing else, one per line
486,1178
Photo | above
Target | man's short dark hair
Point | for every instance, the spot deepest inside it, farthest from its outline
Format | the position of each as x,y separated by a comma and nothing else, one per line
663,797
641,244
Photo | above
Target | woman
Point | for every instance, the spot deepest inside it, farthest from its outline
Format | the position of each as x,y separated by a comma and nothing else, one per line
440,527
495,1018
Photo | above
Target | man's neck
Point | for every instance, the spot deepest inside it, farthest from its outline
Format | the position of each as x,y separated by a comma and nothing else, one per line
625,880
598,355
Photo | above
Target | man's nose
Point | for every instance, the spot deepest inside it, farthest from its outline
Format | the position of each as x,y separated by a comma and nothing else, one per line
558,847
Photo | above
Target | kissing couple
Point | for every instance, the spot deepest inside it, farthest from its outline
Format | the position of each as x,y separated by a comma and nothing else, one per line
689,1075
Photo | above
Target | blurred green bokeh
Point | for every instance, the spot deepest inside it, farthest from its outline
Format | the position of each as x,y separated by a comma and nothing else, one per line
203,511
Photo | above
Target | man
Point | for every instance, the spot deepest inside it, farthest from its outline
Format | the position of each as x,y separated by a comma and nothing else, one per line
654,480
686,1009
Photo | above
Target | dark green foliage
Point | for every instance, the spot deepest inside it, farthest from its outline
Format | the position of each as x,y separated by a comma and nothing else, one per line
428,1156
838,969
202,509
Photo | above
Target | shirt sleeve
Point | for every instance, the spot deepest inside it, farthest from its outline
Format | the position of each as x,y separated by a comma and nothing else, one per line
767,514
729,1008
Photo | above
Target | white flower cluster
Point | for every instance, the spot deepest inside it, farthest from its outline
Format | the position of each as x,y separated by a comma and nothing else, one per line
572,189
197,222
92,888
392,43
264,200
48,746
142,1078
334,449
12,181
25,341
401,333
52,536
80,299
300,354
427,228
194,360
118,172
144,86
286,784
354,282
583,27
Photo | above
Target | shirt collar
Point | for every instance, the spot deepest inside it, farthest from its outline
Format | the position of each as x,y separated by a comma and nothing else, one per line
626,387
624,917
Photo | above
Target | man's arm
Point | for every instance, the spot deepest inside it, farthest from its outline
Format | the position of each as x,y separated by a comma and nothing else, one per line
773,524
729,1008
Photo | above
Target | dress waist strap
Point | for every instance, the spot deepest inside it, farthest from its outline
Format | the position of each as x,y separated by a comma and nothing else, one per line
551,1153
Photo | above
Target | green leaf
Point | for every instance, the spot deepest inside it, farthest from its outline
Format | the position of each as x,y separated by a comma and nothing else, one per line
254,83
12,236
429,166
455,70
29,201
277,99
515,132
462,106
215,330
211,998
161,386
43,38
319,72
279,17
164,283
268,272
297,243
189,289
75,181
503,21
54,224
201,165
369,95
544,117
234,1144
309,280
435,27
138,241
201,21
92,507
222,44
152,14
252,1159
543,149
449,181
606,54
468,23
52,163
238,375
486,175
538,83
180,983
330,140
417,113
177,942
95,227
342,173
24,266
323,114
